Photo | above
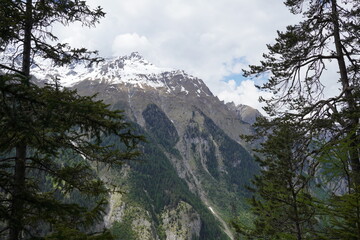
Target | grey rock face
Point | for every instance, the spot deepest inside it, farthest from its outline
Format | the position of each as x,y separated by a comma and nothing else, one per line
197,133
244,112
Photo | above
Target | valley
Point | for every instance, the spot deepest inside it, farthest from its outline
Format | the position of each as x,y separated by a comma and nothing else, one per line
194,164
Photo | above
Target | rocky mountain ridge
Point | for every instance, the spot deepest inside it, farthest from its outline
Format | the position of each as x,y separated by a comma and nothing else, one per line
127,70
192,176
244,112
131,71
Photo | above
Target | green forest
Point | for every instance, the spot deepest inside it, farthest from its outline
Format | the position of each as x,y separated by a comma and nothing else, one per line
300,181
308,187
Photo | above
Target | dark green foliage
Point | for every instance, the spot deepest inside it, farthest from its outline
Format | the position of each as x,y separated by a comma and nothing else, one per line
206,145
69,233
156,184
123,230
8,26
341,205
239,163
283,204
225,186
38,126
326,33
211,160
160,126
240,166
20,18
56,117
329,124
342,214
58,126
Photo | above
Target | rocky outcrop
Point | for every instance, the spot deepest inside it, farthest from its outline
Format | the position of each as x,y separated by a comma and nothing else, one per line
194,155
244,112
132,222
181,223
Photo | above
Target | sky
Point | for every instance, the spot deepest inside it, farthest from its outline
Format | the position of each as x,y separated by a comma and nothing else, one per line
210,39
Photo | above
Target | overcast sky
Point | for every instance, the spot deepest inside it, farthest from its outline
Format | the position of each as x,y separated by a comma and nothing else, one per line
210,39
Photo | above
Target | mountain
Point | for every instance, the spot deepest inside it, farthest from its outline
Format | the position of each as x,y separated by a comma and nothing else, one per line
244,112
191,178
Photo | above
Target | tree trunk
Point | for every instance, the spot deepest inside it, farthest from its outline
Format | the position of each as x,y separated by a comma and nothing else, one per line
26,60
297,218
353,120
17,207
18,194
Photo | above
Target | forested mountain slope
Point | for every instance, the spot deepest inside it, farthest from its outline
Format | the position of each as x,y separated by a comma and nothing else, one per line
191,178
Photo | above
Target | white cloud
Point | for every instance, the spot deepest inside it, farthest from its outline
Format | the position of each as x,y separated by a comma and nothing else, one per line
245,93
125,44
202,37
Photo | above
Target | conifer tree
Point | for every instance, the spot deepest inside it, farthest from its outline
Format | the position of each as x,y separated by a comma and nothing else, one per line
47,132
326,38
297,61
282,204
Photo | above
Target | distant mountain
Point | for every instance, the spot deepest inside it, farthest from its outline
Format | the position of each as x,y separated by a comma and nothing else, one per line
244,112
131,70
191,179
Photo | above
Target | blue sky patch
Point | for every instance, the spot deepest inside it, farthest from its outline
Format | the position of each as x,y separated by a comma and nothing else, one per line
237,77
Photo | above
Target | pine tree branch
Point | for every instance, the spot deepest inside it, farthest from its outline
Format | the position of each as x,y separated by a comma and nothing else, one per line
7,159
11,69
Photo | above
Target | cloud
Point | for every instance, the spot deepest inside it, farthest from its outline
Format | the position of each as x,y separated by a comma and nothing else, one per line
206,38
245,93
125,44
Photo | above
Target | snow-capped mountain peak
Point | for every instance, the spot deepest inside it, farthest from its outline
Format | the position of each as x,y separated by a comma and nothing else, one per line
126,70
132,70
114,70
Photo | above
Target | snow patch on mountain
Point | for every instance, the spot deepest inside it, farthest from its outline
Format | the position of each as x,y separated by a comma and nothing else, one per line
131,70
